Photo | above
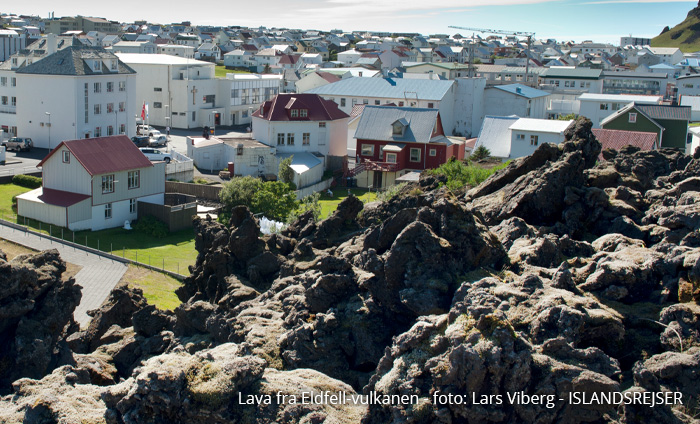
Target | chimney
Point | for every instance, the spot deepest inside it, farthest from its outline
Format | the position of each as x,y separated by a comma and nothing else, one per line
51,43
518,90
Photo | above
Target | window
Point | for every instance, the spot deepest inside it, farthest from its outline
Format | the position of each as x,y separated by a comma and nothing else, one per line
367,150
110,87
632,117
209,98
98,65
108,184
280,139
616,106
397,128
4,100
377,102
400,104
556,83
157,89
98,131
290,139
534,140
295,113
431,105
66,156
365,101
415,155
122,128
306,139
3,81
122,85
684,85
433,152
194,116
342,102
110,130
13,82
13,101
110,107
122,106
391,157
520,136
97,87
132,205
133,179
157,105
303,113
322,125
603,106
108,211
98,109
239,150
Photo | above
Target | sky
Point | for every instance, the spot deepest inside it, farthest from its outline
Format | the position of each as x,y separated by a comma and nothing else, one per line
595,20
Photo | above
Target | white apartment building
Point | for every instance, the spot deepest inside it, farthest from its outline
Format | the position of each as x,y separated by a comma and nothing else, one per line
73,92
184,93
597,107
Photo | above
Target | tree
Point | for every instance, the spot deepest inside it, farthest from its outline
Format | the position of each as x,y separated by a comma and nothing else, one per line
273,199
479,153
567,117
286,173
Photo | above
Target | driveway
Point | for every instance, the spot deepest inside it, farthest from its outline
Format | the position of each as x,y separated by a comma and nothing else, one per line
98,276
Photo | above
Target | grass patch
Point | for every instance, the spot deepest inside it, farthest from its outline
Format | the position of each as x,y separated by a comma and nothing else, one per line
330,203
220,71
684,36
158,288
13,250
460,174
7,192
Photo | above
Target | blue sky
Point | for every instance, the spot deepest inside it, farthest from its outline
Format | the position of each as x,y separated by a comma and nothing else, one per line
597,20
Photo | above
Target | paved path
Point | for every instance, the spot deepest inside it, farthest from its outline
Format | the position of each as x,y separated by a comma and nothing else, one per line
98,276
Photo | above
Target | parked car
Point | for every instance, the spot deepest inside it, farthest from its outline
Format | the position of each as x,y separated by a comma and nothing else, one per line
155,155
161,140
147,130
19,144
141,140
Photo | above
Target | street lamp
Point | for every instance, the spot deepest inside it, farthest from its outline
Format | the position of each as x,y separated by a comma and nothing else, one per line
213,130
49,125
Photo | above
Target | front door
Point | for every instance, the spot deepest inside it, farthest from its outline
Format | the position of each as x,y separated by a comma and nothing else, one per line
377,180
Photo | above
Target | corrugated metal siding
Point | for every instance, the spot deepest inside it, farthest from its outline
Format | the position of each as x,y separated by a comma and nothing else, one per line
65,176
43,212
81,211
152,181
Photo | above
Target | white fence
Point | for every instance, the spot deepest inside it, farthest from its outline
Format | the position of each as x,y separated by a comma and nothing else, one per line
180,163
306,191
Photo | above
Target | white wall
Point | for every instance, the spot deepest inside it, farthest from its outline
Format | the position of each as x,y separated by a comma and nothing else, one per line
333,138
520,148
469,107
64,98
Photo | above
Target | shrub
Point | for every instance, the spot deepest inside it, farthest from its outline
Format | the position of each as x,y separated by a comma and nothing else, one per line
152,226
390,192
27,181
460,174
273,199
479,153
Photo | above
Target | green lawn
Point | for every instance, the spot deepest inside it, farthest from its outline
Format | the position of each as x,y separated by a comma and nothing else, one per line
158,288
330,204
220,71
7,191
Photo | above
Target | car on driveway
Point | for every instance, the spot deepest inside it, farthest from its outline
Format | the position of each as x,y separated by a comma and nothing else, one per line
161,140
147,130
141,140
155,155
19,144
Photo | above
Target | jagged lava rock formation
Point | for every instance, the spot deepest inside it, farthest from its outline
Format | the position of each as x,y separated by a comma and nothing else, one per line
557,275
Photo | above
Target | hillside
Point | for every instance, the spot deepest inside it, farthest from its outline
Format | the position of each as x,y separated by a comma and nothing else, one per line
685,36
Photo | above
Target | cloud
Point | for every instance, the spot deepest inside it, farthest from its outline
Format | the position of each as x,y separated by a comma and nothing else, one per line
636,1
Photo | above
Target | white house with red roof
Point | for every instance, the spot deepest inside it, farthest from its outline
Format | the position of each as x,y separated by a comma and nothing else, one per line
306,126
93,184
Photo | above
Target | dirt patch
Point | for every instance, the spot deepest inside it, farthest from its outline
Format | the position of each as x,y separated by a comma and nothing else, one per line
14,249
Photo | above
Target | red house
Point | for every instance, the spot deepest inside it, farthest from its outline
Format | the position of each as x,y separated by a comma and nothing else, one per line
393,141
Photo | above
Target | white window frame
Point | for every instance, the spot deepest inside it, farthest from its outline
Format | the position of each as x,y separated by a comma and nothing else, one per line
632,118
410,156
108,184
391,157
367,149
108,211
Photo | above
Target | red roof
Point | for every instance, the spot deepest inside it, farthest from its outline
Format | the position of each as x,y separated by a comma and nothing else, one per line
61,198
328,76
318,108
617,139
289,59
104,155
